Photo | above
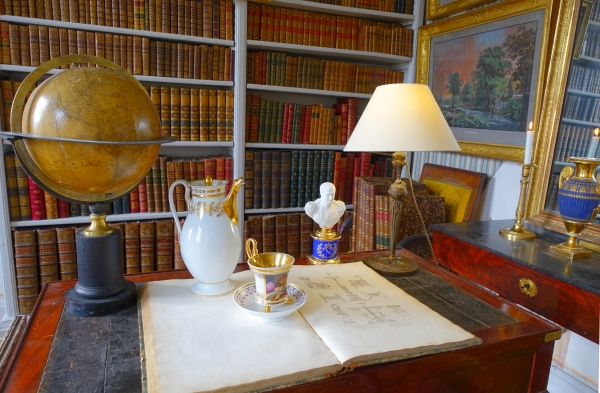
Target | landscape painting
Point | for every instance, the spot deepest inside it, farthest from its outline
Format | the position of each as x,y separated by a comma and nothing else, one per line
484,80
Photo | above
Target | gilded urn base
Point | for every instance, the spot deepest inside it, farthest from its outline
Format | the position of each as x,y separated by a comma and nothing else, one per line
325,247
572,252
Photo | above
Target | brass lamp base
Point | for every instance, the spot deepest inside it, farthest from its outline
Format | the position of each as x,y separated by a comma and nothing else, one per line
520,233
392,265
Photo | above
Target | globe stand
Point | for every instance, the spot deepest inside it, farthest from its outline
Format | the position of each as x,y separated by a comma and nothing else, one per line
101,288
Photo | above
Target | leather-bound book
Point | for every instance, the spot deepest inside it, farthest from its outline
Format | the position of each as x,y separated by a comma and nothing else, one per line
74,209
142,193
249,179
268,232
165,112
185,114
126,204
54,42
294,177
176,112
256,231
47,255
164,184
26,269
302,177
147,239
275,179
267,167
281,236
12,190
194,114
164,244
51,206
7,99
349,198
34,46
306,224
44,44
128,53
14,44
132,247
285,176
212,115
156,186
179,190
23,189
99,45
216,12
36,200
258,184
204,115
311,161
229,112
187,169
160,58
165,12
117,206
341,191
317,163
134,201
67,253
207,18
210,167
178,262
150,192
293,234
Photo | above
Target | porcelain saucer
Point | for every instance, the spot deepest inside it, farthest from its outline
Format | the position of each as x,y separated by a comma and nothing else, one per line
243,297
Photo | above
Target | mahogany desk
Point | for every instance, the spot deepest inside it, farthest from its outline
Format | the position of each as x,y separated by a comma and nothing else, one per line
62,353
568,292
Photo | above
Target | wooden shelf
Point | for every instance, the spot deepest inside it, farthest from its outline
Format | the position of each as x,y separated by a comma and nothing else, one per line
589,59
583,93
338,54
116,30
288,146
86,219
593,25
580,122
282,210
298,90
345,11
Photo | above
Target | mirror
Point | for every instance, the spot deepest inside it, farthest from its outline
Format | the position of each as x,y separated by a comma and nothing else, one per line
570,110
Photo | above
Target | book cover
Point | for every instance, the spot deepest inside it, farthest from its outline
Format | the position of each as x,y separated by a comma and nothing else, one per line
164,244
47,255
26,269
268,233
67,253
293,234
281,237
147,239
132,247
12,189
36,200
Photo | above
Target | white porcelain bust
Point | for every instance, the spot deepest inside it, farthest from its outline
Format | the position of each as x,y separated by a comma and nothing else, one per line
325,211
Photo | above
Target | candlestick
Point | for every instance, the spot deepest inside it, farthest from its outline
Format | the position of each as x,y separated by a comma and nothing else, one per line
593,144
518,231
528,145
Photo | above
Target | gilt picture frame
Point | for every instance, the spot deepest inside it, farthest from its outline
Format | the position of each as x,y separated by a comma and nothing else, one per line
439,8
485,70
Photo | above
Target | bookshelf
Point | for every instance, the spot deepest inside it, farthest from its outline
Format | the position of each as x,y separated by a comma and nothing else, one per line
240,46
580,113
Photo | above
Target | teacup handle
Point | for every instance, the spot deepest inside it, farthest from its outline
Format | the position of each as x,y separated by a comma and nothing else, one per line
252,249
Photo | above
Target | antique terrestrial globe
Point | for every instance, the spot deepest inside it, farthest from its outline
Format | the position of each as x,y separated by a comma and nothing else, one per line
88,135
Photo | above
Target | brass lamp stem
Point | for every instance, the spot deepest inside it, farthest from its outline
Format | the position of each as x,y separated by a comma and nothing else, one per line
518,231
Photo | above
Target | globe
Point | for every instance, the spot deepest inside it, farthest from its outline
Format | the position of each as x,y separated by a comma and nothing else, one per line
92,133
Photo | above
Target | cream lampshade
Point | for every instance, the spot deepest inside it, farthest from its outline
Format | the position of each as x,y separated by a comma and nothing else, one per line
398,118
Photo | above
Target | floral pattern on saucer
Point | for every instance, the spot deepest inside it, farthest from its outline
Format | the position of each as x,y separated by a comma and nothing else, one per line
243,297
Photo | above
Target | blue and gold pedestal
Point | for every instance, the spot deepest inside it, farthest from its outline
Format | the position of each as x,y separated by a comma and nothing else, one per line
578,200
325,247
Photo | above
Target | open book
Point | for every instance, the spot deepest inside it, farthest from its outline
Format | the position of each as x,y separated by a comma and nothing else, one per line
352,317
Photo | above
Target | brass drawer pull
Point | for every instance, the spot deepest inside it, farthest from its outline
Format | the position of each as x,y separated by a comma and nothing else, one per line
528,287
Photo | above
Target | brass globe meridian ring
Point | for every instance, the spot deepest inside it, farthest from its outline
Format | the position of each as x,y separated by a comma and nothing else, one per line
18,139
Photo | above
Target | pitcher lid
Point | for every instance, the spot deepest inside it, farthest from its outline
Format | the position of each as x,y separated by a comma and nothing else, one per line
208,187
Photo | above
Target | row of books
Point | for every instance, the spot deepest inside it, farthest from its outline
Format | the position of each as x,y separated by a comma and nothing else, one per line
287,233
194,114
397,6
28,201
552,197
31,45
207,18
582,108
282,179
280,122
279,69
585,79
290,26
573,141
591,44
50,254
372,207
595,12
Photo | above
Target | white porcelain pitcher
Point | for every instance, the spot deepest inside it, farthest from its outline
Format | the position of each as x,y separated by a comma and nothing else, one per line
210,240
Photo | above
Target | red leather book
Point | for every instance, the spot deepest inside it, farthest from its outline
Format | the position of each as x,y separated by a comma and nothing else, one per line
142,197
365,164
210,167
36,199
64,209
306,126
349,178
229,172
336,173
219,167
134,201
342,185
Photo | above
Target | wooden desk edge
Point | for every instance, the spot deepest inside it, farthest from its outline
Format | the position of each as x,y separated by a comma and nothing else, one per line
27,363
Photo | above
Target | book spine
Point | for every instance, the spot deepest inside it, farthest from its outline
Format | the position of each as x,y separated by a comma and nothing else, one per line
132,247
164,244
26,269
47,255
147,239
36,200
51,206
12,187
67,254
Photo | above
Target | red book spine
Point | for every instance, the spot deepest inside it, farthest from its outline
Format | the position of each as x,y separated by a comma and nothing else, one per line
36,200
220,168
142,197
63,209
286,119
134,201
365,164
336,174
290,124
306,132
210,167
349,177
228,172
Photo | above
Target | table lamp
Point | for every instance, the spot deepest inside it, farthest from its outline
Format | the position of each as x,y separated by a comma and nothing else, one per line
399,118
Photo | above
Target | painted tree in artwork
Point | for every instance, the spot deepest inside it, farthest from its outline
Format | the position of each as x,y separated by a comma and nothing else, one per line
520,48
492,67
454,86
468,92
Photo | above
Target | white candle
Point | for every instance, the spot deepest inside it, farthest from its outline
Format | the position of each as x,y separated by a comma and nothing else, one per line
528,145
593,144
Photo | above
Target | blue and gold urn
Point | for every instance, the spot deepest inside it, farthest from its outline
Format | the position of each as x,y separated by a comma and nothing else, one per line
578,203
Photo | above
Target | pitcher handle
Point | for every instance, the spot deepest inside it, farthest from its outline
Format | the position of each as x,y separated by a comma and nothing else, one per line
172,204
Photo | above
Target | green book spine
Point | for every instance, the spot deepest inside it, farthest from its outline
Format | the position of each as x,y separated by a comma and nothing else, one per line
302,178
316,174
277,69
294,178
310,175
296,123
262,121
279,129
323,169
330,166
